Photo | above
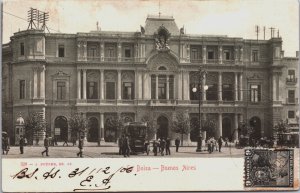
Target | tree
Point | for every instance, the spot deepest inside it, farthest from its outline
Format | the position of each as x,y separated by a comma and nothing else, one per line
281,127
116,123
77,124
34,123
151,129
181,124
208,126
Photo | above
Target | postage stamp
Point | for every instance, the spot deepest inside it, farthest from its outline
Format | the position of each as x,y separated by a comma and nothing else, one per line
269,168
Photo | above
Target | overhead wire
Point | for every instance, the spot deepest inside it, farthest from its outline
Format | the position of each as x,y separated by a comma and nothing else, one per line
25,19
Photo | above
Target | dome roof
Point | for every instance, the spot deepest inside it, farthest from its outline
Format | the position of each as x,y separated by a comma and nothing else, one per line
20,120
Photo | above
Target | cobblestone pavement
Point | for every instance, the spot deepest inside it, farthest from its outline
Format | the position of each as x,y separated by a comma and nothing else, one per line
112,152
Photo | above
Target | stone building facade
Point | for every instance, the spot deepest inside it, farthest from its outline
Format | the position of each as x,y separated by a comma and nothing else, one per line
103,74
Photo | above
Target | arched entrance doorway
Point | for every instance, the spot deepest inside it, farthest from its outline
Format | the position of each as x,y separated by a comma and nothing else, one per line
163,126
61,128
255,123
226,128
93,130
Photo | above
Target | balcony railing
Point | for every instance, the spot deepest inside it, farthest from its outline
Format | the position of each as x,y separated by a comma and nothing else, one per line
212,61
94,58
291,80
110,59
292,100
196,60
127,59
229,62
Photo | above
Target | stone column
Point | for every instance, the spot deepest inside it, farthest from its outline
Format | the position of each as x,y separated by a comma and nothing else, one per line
235,55
42,82
236,94
119,85
241,55
156,87
145,86
140,85
85,50
236,125
203,91
102,84
84,84
186,86
179,86
119,52
102,51
102,126
274,86
167,88
220,55
78,84
35,83
219,133
204,54
241,87
220,86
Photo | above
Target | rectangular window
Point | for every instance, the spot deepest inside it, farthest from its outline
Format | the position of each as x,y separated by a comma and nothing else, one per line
127,53
226,55
171,87
255,93
195,53
210,55
128,90
291,96
92,52
153,87
227,92
92,92
212,92
254,55
110,90
61,51
162,91
291,75
22,49
22,89
291,114
61,90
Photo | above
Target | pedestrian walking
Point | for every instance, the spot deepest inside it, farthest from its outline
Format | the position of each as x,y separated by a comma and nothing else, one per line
158,144
65,141
22,144
120,143
226,142
220,142
147,147
80,146
216,144
5,144
74,140
155,148
168,144
126,147
177,142
162,147
46,145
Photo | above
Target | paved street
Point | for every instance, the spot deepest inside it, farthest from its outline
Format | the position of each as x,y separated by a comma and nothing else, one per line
112,152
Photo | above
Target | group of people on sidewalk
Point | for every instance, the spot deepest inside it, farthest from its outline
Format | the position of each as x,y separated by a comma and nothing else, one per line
212,144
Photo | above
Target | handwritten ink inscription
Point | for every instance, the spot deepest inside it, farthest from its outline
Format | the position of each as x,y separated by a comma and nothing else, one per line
90,178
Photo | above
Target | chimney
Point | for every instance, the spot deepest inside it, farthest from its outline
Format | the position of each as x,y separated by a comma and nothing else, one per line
297,54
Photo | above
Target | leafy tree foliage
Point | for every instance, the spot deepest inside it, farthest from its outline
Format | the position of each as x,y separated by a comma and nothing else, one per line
181,123
34,123
77,124
151,129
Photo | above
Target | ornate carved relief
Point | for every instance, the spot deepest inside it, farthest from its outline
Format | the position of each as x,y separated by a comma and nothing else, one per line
211,78
161,39
127,76
228,78
60,73
92,76
110,76
162,59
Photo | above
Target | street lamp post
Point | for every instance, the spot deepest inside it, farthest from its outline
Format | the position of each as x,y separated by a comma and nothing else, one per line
201,74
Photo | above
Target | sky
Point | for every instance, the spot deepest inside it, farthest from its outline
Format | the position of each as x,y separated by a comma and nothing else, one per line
234,18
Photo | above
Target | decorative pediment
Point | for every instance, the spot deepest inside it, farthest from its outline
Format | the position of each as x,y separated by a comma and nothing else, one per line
60,74
162,39
128,76
255,76
162,59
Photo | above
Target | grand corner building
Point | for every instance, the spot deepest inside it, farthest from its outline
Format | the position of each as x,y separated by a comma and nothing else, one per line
104,74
